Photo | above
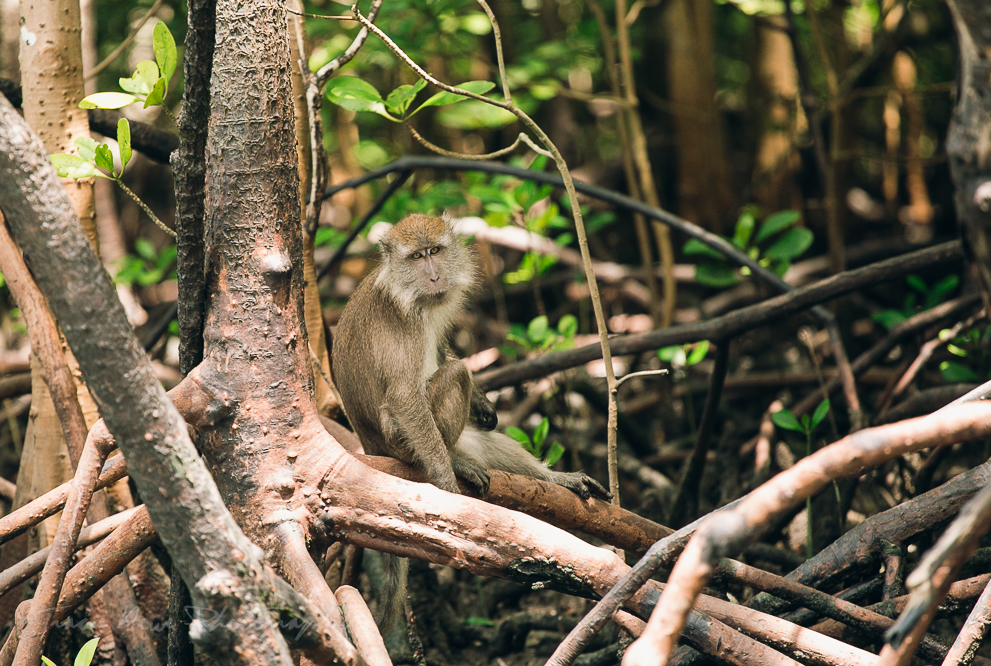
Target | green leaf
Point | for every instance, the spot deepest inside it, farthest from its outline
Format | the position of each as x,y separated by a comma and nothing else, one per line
889,318
86,653
540,434
777,223
165,53
124,142
955,372
157,95
145,249
791,245
354,94
399,99
699,350
554,454
675,355
946,285
478,622
444,97
744,230
537,330
567,326
785,419
72,166
107,100
87,147
143,79
519,436
805,423
104,158
715,275
697,247
820,412
917,283
46,661
474,115
956,351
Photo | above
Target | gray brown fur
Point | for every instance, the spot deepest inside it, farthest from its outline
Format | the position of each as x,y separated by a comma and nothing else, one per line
407,396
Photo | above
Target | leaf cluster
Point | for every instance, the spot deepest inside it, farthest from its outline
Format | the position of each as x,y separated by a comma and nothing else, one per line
535,445
776,243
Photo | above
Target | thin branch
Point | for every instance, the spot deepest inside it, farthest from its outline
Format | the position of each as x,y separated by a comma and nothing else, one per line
98,445
323,74
361,627
145,208
21,520
686,503
124,44
45,344
522,138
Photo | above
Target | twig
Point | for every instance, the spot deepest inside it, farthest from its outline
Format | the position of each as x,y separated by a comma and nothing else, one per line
686,503
925,353
642,373
32,564
967,642
632,183
124,44
35,634
20,520
145,208
45,344
522,138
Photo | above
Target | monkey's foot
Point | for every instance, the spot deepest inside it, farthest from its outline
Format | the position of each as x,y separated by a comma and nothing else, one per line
581,484
483,414
473,473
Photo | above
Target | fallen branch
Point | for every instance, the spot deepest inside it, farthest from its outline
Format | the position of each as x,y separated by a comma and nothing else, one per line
732,530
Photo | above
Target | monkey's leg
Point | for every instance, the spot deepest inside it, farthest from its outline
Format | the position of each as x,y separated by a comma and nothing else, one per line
449,394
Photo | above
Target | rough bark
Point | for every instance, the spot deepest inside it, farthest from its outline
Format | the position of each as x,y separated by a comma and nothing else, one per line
704,195
967,145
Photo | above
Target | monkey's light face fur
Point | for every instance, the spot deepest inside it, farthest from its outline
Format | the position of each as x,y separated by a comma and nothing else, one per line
423,261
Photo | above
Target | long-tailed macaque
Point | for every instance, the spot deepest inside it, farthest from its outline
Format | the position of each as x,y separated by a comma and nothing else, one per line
406,394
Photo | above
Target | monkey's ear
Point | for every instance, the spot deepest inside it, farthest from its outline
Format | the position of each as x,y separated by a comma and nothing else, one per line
379,233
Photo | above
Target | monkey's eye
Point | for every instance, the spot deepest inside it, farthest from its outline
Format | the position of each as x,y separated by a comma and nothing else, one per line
434,250
416,255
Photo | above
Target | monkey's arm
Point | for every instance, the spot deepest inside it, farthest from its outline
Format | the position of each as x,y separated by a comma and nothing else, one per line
481,412
411,426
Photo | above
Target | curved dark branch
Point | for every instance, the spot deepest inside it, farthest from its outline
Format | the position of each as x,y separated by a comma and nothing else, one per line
730,325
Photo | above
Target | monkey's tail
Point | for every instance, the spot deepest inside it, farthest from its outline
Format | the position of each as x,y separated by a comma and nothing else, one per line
395,572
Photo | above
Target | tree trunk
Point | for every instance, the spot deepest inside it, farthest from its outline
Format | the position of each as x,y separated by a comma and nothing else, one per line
704,193
968,146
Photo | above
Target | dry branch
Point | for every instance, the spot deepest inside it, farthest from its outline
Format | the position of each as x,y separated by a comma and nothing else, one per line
731,531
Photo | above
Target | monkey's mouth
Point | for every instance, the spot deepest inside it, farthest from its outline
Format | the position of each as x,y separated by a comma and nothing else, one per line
434,298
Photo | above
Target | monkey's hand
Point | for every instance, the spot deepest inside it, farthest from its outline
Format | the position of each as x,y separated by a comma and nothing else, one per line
473,473
482,412
581,484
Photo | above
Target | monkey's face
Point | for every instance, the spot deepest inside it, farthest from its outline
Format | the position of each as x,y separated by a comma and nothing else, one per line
427,266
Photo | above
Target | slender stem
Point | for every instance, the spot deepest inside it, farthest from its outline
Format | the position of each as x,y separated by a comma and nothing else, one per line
641,157
522,138
124,44
497,35
143,206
